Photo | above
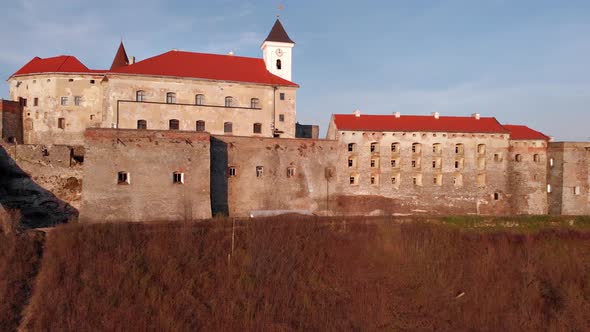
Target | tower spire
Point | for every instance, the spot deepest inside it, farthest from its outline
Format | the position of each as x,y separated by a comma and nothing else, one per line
121,59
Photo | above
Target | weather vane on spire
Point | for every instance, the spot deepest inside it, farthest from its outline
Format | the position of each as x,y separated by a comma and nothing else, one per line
281,7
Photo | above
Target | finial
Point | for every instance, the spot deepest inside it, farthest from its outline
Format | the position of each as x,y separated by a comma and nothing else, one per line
281,7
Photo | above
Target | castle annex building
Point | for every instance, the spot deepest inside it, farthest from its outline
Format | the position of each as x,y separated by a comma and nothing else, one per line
186,135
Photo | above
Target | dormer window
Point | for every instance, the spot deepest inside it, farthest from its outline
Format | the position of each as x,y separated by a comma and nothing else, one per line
279,64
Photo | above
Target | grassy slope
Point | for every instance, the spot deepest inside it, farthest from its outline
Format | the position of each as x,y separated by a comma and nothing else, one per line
20,257
312,275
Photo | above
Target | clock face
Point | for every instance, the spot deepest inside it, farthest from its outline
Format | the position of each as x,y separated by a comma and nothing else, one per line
279,52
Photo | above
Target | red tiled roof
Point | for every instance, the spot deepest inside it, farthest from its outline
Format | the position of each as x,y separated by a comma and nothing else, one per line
58,64
525,133
418,123
207,66
121,58
172,63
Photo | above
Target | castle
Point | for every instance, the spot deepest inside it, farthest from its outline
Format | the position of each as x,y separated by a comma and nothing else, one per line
186,135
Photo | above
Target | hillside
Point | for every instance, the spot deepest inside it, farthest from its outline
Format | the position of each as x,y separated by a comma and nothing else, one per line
315,274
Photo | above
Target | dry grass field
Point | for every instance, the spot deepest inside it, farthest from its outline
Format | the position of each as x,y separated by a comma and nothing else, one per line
293,273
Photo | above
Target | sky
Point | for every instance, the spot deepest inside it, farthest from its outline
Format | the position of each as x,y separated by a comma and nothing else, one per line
523,62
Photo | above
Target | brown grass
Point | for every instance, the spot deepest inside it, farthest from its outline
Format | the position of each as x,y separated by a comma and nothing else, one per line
20,257
311,274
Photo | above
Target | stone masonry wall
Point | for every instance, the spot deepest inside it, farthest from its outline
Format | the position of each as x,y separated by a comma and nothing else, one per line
149,158
43,182
569,178
11,121
527,176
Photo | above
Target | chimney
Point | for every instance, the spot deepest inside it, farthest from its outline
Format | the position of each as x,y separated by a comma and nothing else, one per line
475,115
131,60
397,115
357,113
436,115
230,53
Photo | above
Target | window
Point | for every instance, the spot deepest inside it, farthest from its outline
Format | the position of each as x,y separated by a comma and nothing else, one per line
417,180
229,101
35,101
140,95
536,158
351,162
481,163
374,147
71,80
393,163
227,127
91,81
416,163
374,163
254,103
64,101
141,124
257,128
518,158
437,163
61,123
353,179
231,171
436,148
459,163
282,117
497,157
200,125
458,180
259,171
549,188
496,196
551,162
437,180
374,179
199,99
481,149
481,180
178,178
282,96
576,190
123,178
351,147
290,172
279,64
395,148
394,180
173,124
459,148
77,100
416,148
170,98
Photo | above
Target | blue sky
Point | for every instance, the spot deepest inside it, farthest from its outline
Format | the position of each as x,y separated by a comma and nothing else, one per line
525,62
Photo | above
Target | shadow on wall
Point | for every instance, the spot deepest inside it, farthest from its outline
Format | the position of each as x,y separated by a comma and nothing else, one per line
219,165
37,206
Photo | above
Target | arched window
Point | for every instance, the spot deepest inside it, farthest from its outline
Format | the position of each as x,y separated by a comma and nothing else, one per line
174,124
141,124
200,125
229,101
227,127
140,95
279,64
254,103
374,148
199,99
170,98
395,148
257,128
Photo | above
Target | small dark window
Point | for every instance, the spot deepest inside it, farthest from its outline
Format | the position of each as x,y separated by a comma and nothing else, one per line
36,102
71,80
254,103
140,95
170,98
231,171
229,101
279,64
227,127
290,172
257,128
518,158
496,196
61,123
282,117
200,125
174,124
282,96
178,178
351,147
141,124
200,100
123,178
91,81
259,171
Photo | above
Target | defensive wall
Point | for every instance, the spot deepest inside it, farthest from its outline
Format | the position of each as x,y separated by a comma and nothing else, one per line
569,178
11,121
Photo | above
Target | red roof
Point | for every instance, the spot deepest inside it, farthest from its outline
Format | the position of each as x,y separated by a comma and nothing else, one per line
418,123
172,63
58,64
121,58
525,133
207,66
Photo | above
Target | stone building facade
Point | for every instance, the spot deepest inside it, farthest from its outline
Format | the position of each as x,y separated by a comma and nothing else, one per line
568,180
11,122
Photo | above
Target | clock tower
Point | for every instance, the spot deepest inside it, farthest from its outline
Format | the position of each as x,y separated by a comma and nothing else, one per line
277,52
